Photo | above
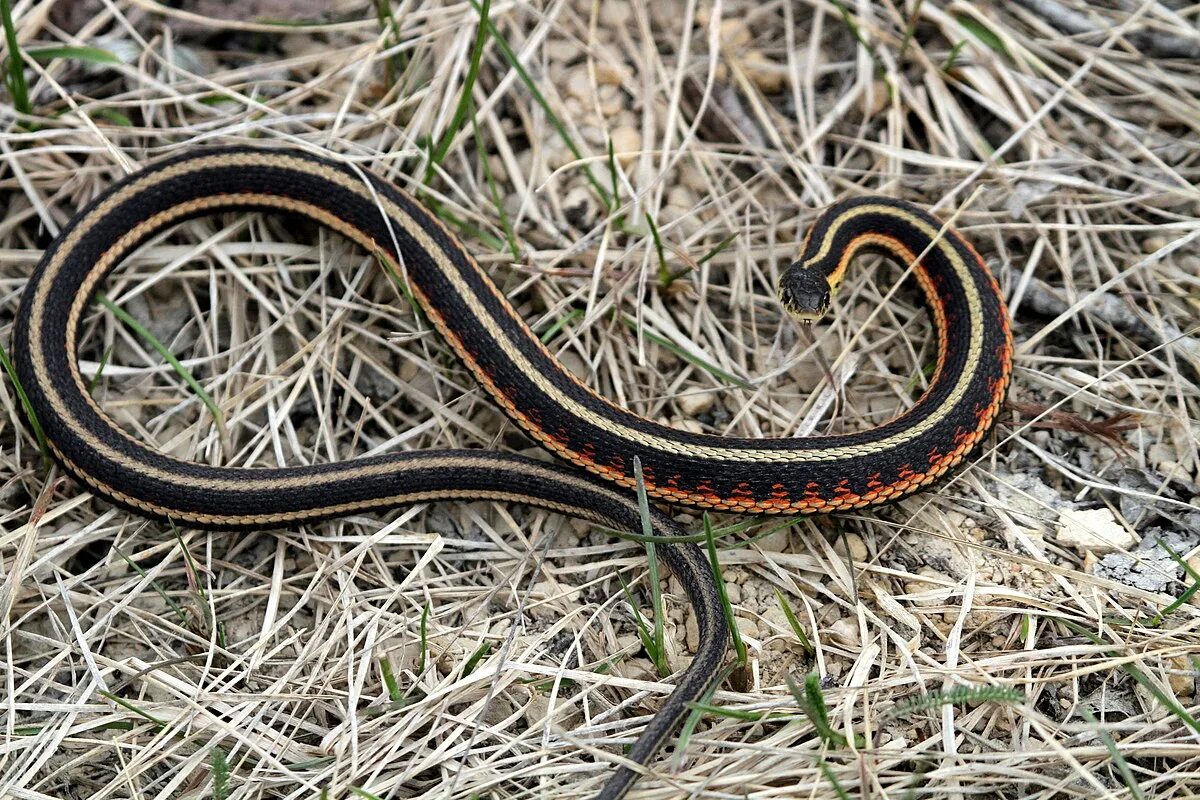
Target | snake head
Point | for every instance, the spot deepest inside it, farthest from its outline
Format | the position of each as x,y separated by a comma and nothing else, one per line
804,293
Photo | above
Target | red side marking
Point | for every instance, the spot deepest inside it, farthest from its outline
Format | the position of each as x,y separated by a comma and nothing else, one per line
981,411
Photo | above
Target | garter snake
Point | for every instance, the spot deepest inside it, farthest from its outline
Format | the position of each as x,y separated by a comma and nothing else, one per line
769,476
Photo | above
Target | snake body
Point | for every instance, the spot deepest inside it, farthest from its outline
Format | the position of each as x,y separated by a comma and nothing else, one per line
788,476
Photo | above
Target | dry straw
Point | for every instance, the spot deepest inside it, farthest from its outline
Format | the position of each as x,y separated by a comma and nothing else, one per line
635,176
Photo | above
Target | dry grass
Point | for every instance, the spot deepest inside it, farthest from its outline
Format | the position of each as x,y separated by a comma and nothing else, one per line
139,661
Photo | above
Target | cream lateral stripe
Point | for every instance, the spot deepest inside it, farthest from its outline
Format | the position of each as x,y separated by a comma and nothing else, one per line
413,228
674,447
119,248
379,502
244,480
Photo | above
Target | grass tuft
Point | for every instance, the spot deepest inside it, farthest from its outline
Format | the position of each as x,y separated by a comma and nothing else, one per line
14,67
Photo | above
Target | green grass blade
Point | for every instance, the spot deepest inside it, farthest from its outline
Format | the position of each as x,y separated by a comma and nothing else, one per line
566,319
494,189
14,67
613,177
710,540
464,98
480,653
105,357
167,355
162,593
664,274
220,773
983,33
812,703
958,696
513,61
695,361
728,713
952,57
660,649
123,703
833,781
1139,676
721,245
645,635
387,23
424,639
852,24
794,622
92,55
389,681
722,532
38,432
1135,791
1187,594
113,116
703,706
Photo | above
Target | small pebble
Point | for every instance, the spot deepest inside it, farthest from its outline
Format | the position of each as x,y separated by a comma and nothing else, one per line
579,85
747,627
694,404
615,15
497,711
844,631
1093,530
854,546
776,542
537,708
608,74
610,100
1182,677
874,100
734,32
560,51
545,605
681,196
626,142
734,591
767,76
1162,456
689,425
